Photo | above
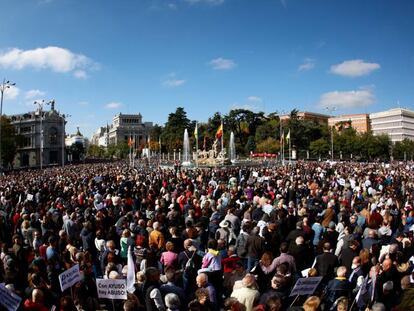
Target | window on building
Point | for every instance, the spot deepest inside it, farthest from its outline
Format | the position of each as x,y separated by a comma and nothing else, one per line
27,141
25,129
53,136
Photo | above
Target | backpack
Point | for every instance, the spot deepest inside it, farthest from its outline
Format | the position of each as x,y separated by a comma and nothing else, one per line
241,244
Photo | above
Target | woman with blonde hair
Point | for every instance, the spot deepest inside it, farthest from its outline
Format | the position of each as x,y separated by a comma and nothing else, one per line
125,242
312,303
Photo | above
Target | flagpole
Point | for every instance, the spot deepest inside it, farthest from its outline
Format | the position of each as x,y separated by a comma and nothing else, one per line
149,150
196,138
133,149
222,137
290,149
130,149
159,143
283,147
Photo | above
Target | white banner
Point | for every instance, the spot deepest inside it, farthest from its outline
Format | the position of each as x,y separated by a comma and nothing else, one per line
111,289
69,277
8,299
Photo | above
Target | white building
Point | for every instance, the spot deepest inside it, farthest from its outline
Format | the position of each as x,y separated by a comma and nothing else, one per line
398,123
75,138
124,127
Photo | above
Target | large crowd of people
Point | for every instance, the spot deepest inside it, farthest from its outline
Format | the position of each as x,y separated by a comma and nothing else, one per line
232,238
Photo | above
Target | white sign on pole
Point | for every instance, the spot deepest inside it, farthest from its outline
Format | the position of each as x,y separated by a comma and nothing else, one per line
306,286
8,299
111,289
69,277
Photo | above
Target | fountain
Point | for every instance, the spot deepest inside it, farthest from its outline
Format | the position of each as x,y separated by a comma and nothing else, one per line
232,148
186,150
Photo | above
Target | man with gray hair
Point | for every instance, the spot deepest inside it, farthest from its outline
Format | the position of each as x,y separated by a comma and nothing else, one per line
338,287
172,302
378,306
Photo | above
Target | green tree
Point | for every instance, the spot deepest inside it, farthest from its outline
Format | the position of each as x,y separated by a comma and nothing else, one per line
269,145
250,145
77,150
270,128
244,124
403,149
319,147
9,141
173,131
155,134
96,151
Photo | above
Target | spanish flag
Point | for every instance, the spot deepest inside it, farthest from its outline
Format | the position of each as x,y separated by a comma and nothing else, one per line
219,133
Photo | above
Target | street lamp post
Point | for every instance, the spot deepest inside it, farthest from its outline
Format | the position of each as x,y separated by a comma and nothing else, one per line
331,109
3,87
64,116
282,148
40,105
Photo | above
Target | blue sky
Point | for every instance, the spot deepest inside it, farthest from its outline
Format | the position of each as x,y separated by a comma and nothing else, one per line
99,57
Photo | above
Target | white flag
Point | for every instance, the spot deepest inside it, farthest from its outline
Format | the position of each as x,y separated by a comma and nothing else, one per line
130,273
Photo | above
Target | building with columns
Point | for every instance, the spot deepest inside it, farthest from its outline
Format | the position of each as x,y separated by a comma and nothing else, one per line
35,127
123,127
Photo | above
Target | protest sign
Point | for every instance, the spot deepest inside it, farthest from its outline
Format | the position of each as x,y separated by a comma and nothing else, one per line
111,289
306,286
69,277
8,299
29,197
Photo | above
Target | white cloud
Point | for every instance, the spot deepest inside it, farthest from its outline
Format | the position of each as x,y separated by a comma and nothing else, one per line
347,99
354,68
83,103
254,99
172,6
211,2
113,105
307,65
222,64
34,93
53,58
173,82
80,74
11,93
284,3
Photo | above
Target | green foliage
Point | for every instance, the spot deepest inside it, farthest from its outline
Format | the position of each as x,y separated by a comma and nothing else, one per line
77,150
254,131
403,150
251,145
9,141
244,124
319,147
268,129
173,131
96,151
269,145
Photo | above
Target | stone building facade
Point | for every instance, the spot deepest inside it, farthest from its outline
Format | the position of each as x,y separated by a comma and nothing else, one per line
30,126
122,128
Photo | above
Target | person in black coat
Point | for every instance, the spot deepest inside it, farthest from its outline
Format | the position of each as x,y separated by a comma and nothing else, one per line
338,287
348,254
326,263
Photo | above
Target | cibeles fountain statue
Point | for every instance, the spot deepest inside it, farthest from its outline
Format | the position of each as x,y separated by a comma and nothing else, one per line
212,157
